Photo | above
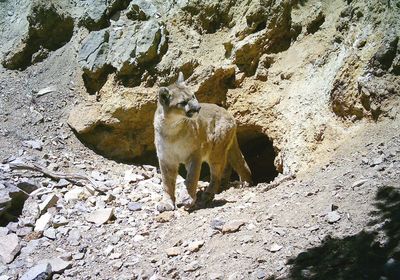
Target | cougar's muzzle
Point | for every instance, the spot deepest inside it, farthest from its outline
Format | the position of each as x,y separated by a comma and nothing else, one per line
193,108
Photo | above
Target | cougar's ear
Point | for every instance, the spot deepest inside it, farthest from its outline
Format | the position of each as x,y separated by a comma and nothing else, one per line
164,96
181,79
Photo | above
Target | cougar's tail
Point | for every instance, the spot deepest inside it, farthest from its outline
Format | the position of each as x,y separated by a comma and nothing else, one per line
238,163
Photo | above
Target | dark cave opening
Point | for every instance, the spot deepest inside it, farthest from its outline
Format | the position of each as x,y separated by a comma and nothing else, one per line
258,150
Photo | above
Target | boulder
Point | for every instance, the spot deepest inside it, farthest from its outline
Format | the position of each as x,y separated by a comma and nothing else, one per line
121,126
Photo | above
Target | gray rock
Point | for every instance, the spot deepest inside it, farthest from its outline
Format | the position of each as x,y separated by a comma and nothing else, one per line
31,209
58,265
48,202
9,247
126,46
33,144
78,256
193,266
217,224
74,237
43,222
40,271
50,233
62,183
134,206
261,274
332,217
59,221
24,231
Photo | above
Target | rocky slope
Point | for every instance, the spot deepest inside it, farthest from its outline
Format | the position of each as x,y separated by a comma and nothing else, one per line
314,86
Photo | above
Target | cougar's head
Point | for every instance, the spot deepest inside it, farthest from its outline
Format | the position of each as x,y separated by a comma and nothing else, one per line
178,99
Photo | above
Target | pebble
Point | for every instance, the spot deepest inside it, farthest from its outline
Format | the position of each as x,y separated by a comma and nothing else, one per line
165,217
100,216
217,224
24,231
134,206
117,264
74,194
232,226
261,274
62,183
173,251
359,183
59,221
332,217
275,248
131,177
193,266
216,276
78,256
195,245
115,256
33,144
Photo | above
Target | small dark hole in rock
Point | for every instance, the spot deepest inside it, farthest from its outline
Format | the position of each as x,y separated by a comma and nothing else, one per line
259,153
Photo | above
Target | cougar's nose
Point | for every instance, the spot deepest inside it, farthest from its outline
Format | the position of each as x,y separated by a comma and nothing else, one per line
197,108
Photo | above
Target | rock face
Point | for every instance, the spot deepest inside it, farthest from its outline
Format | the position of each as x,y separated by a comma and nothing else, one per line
49,29
293,72
128,47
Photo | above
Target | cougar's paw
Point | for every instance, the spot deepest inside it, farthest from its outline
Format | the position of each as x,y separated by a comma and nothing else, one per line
165,205
186,200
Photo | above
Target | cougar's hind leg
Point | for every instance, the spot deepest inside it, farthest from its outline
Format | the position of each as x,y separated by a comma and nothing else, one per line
226,176
216,170
237,161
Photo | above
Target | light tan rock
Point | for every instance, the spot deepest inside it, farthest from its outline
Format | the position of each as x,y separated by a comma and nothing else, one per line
100,216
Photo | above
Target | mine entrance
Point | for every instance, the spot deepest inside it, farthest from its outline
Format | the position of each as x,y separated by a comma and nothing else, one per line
259,153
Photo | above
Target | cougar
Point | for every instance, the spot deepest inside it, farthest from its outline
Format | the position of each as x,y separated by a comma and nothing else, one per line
191,133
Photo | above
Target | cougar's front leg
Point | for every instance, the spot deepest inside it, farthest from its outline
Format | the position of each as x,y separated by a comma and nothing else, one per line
168,174
193,168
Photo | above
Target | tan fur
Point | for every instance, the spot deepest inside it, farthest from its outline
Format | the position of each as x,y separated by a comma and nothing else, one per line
180,137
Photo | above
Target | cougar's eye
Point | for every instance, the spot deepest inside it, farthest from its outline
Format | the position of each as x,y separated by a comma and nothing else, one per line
183,103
